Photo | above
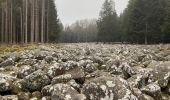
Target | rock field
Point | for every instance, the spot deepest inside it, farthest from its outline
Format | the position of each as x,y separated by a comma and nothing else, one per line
86,72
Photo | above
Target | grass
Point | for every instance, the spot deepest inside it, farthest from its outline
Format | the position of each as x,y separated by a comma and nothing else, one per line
9,48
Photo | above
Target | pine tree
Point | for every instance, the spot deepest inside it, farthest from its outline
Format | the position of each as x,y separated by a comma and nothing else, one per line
108,23
143,20
166,25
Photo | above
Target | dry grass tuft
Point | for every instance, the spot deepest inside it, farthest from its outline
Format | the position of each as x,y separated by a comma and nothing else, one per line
9,48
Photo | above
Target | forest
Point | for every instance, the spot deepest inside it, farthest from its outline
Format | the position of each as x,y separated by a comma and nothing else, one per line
142,22
114,56
37,21
28,21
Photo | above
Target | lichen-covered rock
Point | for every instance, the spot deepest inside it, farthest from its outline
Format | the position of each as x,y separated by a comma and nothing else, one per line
55,70
112,62
27,61
5,82
17,87
36,80
138,81
46,91
40,54
165,96
98,60
88,65
46,98
97,73
9,97
63,91
138,94
127,70
7,62
74,84
153,90
90,68
108,88
115,70
106,71
61,79
79,97
24,95
83,62
160,73
58,69
76,74
143,71
147,97
4,85
167,89
59,92
49,59
25,70
37,94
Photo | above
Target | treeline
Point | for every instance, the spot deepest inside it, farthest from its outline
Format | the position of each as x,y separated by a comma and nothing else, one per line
143,21
80,31
28,21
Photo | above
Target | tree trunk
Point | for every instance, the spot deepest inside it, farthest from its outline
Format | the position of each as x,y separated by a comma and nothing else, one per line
42,21
2,25
21,31
47,36
11,32
37,23
6,22
32,21
26,21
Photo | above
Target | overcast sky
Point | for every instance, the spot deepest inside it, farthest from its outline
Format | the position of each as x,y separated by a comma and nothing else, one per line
71,10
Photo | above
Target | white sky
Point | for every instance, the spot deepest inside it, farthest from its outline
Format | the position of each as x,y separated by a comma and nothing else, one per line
71,10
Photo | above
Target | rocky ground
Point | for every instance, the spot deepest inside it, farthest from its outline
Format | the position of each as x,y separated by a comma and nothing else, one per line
86,72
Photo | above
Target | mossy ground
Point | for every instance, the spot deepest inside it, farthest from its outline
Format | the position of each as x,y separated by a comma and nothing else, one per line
9,48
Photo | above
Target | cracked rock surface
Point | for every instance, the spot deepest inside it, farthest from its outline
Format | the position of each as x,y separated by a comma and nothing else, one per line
86,72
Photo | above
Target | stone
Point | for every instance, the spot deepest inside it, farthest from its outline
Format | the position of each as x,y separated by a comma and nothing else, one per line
17,87
37,94
36,80
59,91
153,90
79,97
98,73
138,81
7,62
46,98
5,82
75,85
25,70
40,54
127,70
9,97
167,89
4,85
61,79
24,95
46,91
160,73
59,69
76,74
165,96
147,97
49,59
108,88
